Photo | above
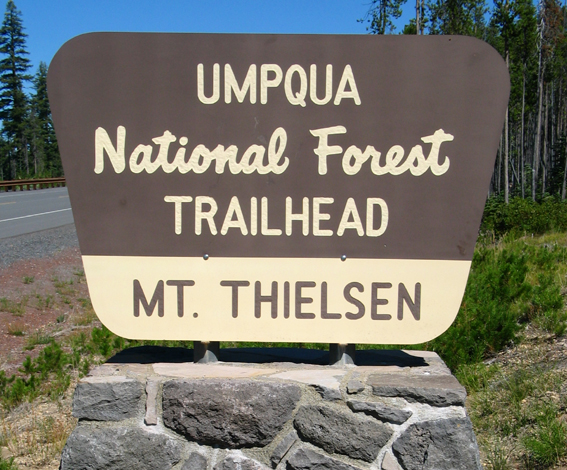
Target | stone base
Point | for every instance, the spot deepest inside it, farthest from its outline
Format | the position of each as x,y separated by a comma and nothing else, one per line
151,408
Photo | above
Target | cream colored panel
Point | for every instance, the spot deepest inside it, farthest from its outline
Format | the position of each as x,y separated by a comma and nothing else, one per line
208,308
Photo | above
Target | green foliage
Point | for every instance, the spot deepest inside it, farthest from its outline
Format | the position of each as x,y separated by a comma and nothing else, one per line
101,340
42,134
475,377
464,17
16,329
381,13
489,314
523,217
62,287
13,100
28,146
518,405
13,307
547,304
548,443
508,285
7,464
44,303
85,303
52,358
519,386
50,373
35,339
46,374
497,457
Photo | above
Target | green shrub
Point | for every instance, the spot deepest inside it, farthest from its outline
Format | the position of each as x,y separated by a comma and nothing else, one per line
36,339
7,464
497,457
101,338
489,314
509,284
475,377
523,216
548,444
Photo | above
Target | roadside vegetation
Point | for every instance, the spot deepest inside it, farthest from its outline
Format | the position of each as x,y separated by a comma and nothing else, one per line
508,345
35,418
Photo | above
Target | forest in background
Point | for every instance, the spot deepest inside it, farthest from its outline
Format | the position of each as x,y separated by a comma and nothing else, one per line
531,162
532,159
28,147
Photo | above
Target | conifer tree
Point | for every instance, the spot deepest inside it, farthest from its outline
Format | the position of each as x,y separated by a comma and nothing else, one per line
13,100
381,13
43,143
465,17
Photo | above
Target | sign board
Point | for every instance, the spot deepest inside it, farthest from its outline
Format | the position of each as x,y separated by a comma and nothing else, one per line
277,187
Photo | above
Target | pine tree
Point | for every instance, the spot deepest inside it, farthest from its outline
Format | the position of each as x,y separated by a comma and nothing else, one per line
381,13
13,100
504,20
43,143
524,53
465,17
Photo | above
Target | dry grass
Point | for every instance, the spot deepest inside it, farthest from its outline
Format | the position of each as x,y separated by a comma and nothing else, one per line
16,329
85,318
36,433
518,404
15,307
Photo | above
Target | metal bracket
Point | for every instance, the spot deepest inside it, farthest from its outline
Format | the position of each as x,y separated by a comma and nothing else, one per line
341,354
205,352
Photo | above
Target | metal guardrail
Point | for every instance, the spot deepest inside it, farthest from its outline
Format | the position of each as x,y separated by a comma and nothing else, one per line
23,185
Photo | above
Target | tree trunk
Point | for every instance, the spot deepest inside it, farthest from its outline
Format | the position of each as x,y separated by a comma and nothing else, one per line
417,15
499,176
545,159
537,143
12,166
564,187
522,161
506,146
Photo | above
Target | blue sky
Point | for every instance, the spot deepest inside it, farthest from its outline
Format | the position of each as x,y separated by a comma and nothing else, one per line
50,23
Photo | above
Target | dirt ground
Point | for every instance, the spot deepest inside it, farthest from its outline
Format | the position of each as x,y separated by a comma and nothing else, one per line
39,299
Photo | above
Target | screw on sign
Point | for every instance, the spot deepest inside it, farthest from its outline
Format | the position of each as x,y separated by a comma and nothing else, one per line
277,187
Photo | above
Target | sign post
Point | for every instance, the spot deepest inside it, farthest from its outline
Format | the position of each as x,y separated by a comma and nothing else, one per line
276,187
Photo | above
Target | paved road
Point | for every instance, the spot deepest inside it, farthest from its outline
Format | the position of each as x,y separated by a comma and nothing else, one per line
31,211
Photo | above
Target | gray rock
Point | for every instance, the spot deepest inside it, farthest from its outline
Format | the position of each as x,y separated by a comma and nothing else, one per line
435,390
107,398
330,394
91,448
389,462
195,461
239,462
354,386
341,432
229,414
384,413
306,459
151,402
282,448
446,444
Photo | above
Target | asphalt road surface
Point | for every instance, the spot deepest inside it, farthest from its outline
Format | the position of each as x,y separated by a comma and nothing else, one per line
31,211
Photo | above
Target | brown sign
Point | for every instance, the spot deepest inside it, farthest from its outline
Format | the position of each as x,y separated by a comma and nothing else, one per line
275,187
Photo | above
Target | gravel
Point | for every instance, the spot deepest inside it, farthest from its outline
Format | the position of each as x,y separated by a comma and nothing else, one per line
37,245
